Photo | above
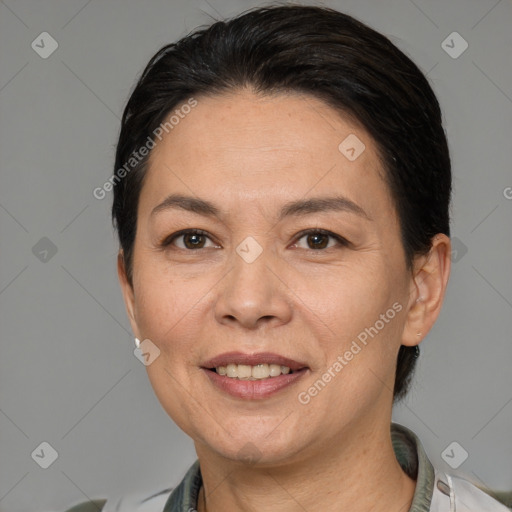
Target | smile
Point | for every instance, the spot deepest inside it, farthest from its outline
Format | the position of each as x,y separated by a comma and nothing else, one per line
248,372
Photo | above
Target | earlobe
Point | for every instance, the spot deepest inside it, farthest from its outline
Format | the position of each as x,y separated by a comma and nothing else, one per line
428,287
127,291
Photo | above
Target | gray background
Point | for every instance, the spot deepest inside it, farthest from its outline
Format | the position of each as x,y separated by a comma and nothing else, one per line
68,375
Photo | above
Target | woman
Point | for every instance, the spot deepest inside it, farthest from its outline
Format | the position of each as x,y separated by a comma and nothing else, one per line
281,194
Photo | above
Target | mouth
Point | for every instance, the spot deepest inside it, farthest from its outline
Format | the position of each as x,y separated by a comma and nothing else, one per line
253,376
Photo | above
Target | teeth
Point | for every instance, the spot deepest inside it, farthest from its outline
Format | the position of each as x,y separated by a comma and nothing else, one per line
247,372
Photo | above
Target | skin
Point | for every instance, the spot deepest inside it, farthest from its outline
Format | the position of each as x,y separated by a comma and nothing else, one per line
249,155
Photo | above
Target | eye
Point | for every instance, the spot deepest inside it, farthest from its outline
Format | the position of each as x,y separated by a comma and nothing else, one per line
193,239
188,239
317,239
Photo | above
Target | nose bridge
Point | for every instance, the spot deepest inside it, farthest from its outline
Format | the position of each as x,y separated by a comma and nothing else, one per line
250,290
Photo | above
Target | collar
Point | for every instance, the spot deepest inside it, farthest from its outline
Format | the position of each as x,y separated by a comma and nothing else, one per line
408,450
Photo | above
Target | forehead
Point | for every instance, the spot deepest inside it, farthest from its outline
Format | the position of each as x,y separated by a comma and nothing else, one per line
293,122
242,145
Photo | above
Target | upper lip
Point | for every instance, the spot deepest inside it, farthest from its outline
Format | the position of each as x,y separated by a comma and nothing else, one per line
252,360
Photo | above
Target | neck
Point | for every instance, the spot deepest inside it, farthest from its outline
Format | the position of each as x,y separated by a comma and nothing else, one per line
358,471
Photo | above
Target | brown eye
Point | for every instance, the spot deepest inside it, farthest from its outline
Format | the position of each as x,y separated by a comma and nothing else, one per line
193,240
189,239
317,239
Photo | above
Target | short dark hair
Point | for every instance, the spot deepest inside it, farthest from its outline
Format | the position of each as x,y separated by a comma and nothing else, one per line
326,54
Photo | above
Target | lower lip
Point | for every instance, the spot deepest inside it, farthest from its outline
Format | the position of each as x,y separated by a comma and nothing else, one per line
253,389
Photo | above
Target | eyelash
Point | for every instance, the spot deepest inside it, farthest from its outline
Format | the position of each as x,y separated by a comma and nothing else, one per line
339,239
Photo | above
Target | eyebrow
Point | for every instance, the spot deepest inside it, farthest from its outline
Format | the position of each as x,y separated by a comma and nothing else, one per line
322,204
294,208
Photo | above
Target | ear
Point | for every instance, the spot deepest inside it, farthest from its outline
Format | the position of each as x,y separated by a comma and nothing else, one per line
128,293
427,290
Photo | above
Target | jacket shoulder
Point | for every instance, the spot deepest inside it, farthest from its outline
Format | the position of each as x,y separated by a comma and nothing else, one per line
473,497
141,501
504,497
88,506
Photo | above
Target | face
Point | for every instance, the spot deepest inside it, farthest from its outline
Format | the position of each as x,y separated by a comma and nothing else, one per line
292,248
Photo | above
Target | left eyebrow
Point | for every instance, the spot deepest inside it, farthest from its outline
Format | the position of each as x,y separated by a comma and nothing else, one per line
322,204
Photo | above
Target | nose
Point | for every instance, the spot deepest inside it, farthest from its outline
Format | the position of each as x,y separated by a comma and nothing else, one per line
253,295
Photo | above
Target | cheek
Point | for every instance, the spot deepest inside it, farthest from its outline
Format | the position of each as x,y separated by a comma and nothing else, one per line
358,314
161,307
174,313
347,298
